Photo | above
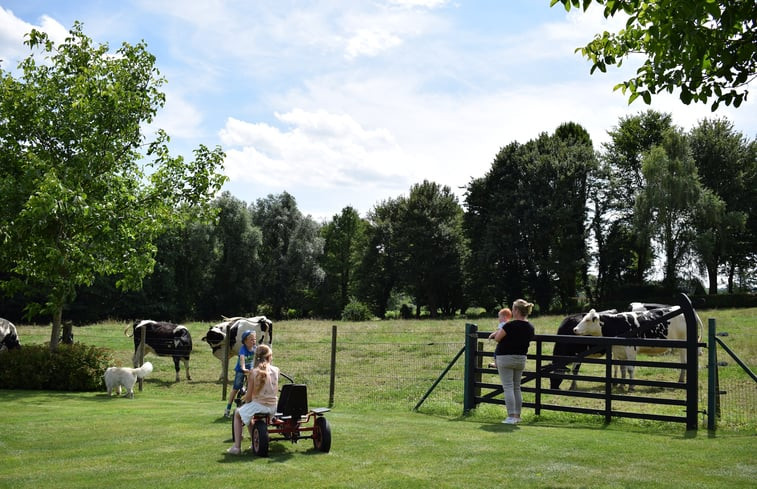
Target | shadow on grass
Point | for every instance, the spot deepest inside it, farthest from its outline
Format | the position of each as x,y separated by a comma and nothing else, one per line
278,452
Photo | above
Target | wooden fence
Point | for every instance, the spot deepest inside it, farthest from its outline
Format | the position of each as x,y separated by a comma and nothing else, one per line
477,391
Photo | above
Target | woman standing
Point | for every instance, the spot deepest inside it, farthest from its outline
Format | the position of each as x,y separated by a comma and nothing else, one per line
513,340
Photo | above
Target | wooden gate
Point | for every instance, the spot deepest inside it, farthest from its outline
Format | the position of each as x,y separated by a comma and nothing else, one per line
477,391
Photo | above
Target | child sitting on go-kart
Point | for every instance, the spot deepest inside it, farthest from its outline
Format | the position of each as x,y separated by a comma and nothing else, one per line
261,397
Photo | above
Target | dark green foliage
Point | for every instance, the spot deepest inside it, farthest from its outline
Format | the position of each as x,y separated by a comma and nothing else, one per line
356,311
71,367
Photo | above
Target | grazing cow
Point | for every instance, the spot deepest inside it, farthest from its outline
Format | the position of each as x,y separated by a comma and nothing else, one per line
163,339
235,327
8,336
574,349
625,324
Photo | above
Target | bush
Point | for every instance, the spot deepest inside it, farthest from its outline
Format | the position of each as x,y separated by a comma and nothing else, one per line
356,311
75,367
476,312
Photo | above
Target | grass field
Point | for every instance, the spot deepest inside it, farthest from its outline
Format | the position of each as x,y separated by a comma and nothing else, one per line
173,435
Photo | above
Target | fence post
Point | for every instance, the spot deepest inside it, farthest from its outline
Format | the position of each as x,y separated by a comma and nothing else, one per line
469,383
332,369
608,384
143,338
537,396
712,375
225,362
692,362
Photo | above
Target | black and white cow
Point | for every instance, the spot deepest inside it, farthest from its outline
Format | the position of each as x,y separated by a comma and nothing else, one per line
163,339
8,336
575,350
235,327
624,324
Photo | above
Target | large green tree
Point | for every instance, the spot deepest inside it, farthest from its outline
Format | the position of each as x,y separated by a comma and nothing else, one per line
83,193
431,246
290,249
671,199
344,247
623,179
705,49
526,221
727,164
379,270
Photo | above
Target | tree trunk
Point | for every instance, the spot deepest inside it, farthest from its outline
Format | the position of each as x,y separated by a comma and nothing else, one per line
712,277
55,334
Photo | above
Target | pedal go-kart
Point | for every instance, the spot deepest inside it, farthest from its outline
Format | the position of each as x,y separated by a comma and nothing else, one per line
293,421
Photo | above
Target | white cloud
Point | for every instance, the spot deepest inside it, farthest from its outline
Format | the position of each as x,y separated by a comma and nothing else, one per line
370,42
314,149
13,34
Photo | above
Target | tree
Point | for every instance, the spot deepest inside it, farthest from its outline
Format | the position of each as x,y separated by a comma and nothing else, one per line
672,198
727,165
526,220
290,250
235,271
704,48
380,267
624,180
344,246
76,198
431,247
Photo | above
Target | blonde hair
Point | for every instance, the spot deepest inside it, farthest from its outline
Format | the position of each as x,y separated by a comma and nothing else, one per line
259,372
523,307
505,311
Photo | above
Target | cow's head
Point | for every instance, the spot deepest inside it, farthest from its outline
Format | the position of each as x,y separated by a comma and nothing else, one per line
589,325
216,334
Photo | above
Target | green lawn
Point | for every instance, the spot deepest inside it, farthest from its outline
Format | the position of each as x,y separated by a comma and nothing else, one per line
173,435
88,440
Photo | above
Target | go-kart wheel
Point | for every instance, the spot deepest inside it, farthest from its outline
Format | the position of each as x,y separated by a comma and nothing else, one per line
260,438
322,434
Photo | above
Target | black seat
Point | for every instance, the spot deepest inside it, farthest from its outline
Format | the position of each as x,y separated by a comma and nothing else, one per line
293,401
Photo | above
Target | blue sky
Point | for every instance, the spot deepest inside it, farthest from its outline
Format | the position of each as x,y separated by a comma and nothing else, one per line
349,102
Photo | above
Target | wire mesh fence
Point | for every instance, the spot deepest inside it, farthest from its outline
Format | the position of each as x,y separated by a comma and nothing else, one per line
388,365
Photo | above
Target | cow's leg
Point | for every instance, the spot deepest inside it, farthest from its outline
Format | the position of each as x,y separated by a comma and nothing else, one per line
176,367
630,355
573,384
186,367
682,355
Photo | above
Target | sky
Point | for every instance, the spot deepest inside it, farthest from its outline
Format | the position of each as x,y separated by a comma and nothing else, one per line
350,102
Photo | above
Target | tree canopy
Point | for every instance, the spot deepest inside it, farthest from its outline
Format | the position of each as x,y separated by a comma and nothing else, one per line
82,191
703,48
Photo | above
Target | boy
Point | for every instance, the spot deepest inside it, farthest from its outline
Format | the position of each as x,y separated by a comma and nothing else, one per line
243,367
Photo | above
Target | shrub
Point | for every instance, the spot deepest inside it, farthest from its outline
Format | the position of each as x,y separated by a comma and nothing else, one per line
75,367
475,312
356,311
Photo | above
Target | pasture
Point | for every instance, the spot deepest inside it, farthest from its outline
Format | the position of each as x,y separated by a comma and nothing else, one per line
173,434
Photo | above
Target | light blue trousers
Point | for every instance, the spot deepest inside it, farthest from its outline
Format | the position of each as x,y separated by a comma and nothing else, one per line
510,369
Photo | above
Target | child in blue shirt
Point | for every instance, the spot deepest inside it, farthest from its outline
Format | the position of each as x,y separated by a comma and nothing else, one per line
244,365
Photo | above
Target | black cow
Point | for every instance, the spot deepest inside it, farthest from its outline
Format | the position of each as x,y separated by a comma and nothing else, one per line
165,340
8,336
235,327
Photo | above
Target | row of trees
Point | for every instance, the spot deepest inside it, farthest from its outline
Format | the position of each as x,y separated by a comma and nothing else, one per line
552,220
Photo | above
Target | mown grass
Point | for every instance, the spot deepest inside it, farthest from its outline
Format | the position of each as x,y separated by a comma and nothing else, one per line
173,435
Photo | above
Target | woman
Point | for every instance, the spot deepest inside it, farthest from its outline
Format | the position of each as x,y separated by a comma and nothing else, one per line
513,340
261,397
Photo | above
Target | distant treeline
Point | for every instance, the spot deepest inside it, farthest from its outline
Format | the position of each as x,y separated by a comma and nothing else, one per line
552,220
